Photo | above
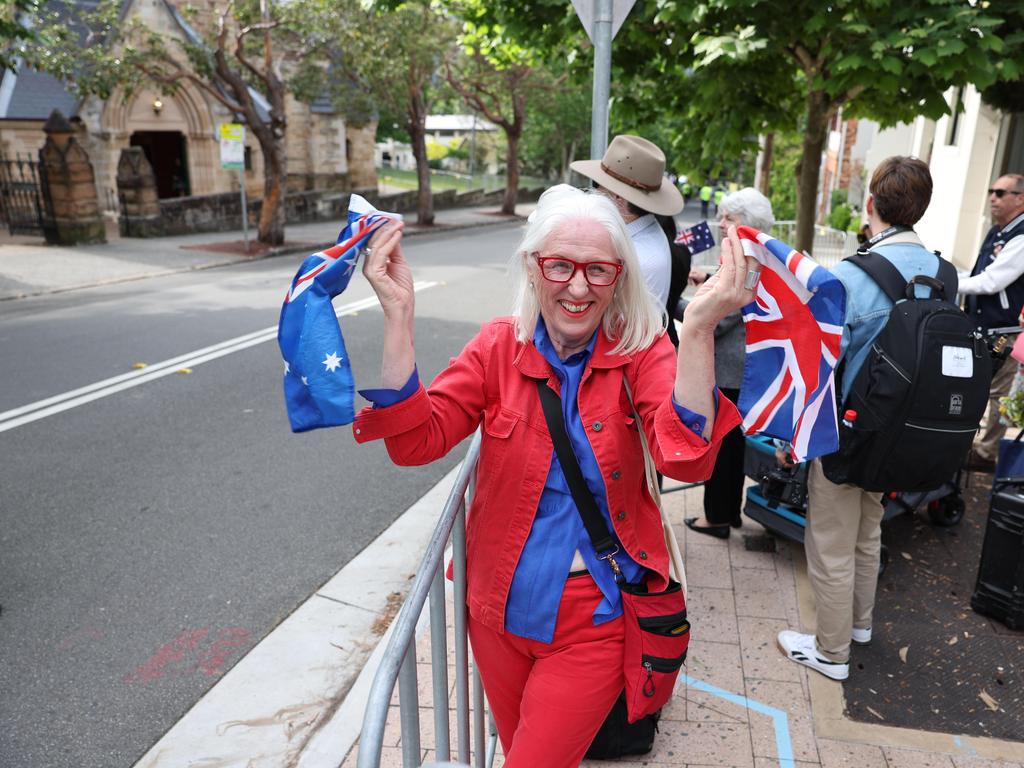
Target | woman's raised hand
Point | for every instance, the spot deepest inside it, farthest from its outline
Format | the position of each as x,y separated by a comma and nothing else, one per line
726,290
388,271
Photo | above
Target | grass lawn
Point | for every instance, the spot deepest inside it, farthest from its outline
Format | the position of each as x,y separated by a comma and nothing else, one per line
441,180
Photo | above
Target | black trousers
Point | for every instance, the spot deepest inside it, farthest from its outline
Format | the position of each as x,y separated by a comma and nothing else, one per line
723,492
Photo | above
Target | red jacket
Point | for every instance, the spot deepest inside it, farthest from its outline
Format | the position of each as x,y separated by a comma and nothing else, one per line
493,381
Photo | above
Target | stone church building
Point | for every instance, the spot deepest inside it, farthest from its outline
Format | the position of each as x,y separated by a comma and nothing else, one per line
179,132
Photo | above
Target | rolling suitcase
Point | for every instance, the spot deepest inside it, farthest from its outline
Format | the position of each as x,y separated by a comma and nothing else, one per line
999,592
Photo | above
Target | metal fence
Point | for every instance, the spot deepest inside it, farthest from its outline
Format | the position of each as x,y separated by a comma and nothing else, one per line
399,660
830,245
23,195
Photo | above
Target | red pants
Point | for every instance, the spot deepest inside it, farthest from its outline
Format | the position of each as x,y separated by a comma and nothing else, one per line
549,700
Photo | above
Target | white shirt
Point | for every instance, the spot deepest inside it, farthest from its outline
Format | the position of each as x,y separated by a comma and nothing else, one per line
1006,267
653,253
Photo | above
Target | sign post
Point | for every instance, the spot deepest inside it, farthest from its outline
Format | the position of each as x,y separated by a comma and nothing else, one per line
232,158
601,19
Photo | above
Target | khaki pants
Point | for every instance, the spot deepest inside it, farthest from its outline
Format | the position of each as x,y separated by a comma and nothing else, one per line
987,442
843,541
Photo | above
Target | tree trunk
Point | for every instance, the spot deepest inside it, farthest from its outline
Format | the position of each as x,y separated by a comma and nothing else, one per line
766,163
418,136
508,205
275,168
819,111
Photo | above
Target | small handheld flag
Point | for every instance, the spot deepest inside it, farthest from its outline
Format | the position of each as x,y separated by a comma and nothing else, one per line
318,382
794,329
697,238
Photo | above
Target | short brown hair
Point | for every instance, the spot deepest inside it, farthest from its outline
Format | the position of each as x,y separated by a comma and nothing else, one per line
902,188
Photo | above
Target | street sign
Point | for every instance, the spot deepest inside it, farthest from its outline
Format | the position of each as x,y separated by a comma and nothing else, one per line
585,10
232,146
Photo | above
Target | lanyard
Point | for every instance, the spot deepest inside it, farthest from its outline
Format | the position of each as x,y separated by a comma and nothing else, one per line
876,239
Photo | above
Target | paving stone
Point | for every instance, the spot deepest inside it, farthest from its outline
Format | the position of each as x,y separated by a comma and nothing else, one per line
707,565
718,744
913,758
713,615
842,754
801,737
977,762
716,664
762,659
791,698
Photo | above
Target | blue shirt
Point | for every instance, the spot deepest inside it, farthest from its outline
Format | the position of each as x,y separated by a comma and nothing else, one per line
867,306
531,609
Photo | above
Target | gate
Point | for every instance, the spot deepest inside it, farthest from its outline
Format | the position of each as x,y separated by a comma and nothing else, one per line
22,195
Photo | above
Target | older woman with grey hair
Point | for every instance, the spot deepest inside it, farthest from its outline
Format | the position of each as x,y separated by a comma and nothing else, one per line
723,491
544,611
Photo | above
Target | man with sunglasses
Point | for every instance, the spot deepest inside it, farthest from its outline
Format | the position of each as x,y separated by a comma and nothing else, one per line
995,295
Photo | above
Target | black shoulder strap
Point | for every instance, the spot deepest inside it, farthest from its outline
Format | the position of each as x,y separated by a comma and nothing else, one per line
882,271
597,530
891,280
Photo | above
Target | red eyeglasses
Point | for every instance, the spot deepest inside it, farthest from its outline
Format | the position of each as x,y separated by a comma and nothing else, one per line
559,269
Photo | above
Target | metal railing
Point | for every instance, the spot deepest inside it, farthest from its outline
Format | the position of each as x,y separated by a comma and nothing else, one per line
399,659
830,245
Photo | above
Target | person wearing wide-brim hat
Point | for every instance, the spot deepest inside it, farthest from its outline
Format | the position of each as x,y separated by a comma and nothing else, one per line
632,174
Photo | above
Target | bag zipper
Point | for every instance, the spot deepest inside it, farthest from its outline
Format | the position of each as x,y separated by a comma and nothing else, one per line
936,429
670,626
657,664
891,363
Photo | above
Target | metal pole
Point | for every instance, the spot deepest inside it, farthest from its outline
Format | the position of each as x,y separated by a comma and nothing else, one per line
602,78
245,209
439,668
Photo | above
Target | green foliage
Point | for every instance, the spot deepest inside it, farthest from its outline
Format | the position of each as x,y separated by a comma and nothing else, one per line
840,217
15,35
783,176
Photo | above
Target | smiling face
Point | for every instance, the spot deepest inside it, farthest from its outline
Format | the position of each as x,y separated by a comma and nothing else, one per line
573,310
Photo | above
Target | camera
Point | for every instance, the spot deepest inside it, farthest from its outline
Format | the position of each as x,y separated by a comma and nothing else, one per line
785,486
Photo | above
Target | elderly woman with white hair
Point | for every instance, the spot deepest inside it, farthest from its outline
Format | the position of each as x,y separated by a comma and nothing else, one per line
723,491
545,613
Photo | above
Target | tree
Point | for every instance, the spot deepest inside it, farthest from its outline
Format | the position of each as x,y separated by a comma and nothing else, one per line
558,130
493,75
396,58
247,55
884,59
14,34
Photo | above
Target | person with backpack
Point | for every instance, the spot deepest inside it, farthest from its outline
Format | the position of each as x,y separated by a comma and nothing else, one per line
995,294
843,534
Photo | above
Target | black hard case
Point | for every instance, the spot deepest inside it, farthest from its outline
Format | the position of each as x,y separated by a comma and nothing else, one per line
999,592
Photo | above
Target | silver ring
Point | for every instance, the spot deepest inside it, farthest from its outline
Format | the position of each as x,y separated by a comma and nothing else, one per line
368,251
753,276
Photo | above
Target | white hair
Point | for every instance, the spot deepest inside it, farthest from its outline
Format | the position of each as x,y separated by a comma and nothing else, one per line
633,319
750,207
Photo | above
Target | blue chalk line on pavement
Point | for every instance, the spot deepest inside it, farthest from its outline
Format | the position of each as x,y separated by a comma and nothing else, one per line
783,746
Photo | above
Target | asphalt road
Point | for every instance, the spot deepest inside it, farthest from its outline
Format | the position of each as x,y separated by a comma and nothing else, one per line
149,538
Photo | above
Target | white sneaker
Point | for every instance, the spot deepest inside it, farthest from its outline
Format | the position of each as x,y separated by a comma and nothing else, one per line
861,636
801,649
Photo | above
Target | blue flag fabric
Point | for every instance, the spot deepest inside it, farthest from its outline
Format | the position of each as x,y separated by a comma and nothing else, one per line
697,238
318,381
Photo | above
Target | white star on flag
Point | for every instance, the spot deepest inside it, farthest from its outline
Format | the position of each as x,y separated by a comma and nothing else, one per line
287,368
304,381
351,262
332,361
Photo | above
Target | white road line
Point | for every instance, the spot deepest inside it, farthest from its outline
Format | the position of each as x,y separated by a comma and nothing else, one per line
40,409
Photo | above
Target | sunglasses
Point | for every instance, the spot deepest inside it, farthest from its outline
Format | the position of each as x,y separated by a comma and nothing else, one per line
999,193
561,270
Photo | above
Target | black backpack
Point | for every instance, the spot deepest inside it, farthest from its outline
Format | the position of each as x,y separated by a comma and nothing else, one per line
914,407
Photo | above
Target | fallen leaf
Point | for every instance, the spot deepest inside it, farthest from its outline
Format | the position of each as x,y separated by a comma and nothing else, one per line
184,370
953,640
906,556
903,653
869,709
991,703
140,365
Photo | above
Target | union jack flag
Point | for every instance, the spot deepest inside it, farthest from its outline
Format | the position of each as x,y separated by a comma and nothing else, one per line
318,382
794,330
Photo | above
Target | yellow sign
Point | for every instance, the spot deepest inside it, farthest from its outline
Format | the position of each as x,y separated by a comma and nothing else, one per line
232,146
233,131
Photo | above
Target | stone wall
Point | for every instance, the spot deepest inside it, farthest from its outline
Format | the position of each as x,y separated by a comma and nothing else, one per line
223,212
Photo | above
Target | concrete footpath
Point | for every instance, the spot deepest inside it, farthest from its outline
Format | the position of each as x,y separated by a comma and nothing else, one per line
29,267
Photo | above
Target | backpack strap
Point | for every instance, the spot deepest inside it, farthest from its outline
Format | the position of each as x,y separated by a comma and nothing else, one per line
892,282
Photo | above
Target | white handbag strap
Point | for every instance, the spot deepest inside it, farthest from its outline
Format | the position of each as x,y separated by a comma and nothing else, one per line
675,556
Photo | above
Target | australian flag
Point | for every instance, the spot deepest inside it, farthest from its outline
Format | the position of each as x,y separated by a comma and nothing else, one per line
794,328
318,383
697,238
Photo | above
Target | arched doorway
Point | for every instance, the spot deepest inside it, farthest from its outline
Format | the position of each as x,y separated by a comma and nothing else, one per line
167,153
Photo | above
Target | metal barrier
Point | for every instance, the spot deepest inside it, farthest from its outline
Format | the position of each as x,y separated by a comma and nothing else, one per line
399,660
830,245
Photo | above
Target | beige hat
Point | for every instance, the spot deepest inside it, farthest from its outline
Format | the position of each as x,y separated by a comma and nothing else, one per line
634,169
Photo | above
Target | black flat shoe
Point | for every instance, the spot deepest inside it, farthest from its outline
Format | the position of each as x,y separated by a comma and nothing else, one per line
737,522
718,531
